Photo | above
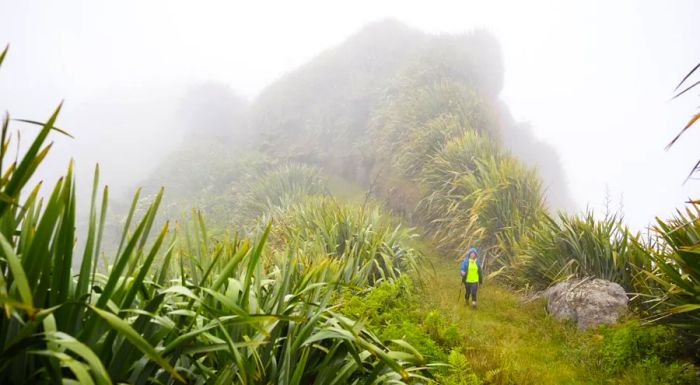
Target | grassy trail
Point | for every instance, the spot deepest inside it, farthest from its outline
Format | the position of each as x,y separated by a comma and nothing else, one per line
505,341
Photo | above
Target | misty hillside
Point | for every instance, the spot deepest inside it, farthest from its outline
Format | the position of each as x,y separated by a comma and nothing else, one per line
315,234
383,83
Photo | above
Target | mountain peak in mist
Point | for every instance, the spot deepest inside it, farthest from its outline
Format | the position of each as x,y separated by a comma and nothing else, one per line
329,111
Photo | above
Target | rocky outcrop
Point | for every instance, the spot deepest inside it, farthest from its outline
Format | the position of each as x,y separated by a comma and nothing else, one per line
588,302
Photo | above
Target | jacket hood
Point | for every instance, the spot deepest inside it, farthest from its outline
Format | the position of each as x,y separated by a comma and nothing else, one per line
472,249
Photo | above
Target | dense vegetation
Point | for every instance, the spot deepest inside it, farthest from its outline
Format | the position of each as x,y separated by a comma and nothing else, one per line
296,265
209,311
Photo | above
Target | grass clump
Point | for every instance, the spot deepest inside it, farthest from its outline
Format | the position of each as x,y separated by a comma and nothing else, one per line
393,311
390,310
654,371
417,120
459,372
373,246
279,187
577,246
626,345
672,286
446,333
633,353
479,195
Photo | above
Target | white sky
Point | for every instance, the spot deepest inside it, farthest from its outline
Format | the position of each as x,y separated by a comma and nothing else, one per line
592,77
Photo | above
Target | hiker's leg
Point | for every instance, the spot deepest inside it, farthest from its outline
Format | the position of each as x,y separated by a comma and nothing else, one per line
471,289
466,293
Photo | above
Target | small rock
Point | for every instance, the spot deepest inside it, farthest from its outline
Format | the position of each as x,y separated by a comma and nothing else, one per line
588,302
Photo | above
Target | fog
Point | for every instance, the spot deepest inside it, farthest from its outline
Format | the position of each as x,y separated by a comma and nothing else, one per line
591,80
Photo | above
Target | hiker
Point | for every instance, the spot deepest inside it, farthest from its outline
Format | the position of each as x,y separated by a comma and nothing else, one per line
471,275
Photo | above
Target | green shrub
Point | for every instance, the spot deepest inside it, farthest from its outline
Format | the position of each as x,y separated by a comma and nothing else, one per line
625,345
633,353
479,195
417,120
450,336
373,246
444,332
278,187
578,246
653,371
381,304
435,128
459,372
411,332
434,323
672,287
389,310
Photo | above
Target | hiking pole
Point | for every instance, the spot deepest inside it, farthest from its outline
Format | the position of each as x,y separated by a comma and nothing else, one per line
460,289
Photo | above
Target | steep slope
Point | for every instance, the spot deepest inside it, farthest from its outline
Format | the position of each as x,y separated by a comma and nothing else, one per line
377,91
325,111
321,112
328,102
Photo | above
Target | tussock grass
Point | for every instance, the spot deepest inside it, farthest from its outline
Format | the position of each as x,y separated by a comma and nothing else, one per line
370,243
277,187
417,120
210,311
672,287
578,246
477,194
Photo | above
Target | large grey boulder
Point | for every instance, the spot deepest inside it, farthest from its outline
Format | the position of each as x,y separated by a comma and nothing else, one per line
588,302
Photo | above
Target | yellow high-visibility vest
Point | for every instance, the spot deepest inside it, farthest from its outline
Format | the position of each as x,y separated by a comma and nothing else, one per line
473,271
